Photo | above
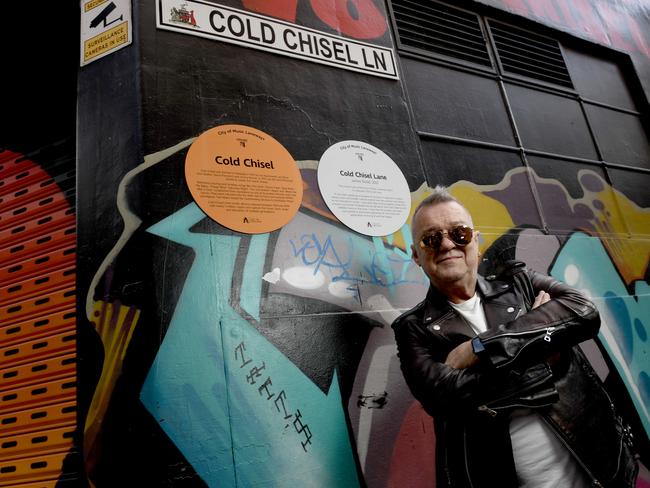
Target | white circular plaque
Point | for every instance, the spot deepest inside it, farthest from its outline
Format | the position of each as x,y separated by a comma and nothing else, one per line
364,188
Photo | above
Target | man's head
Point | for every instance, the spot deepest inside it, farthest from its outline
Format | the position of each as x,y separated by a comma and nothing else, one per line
444,246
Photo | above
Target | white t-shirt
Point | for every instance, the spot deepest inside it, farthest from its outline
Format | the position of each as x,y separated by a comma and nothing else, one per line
541,460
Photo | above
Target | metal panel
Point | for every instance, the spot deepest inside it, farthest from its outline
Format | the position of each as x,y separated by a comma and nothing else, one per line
440,29
551,123
37,320
525,53
456,103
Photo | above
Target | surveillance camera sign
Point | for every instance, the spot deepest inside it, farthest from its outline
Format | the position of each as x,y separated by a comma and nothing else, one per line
105,28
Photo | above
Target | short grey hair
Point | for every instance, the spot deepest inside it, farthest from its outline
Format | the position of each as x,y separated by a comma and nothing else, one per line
439,194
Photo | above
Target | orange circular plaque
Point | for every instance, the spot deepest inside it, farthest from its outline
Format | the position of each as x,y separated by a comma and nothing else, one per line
243,178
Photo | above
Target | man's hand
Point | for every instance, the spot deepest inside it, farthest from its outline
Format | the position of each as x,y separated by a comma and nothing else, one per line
462,356
541,298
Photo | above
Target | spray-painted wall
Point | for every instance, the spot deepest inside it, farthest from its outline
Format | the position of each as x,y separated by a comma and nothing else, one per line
210,357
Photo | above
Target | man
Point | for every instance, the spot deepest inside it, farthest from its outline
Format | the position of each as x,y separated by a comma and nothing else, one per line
514,403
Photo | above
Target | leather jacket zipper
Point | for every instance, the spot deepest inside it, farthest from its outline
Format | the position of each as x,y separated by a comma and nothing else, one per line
594,482
547,337
492,409
469,478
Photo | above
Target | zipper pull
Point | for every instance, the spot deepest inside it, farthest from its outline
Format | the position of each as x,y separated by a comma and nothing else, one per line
549,331
488,410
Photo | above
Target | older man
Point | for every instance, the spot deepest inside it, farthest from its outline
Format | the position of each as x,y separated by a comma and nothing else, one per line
514,403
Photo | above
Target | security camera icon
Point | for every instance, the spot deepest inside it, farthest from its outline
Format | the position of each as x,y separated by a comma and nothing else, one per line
102,17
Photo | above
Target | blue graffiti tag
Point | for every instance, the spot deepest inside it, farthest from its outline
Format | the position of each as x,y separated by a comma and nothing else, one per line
384,266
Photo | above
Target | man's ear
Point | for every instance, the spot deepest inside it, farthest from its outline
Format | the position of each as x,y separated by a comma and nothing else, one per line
415,256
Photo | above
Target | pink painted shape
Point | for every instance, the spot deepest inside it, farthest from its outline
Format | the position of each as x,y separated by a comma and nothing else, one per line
413,460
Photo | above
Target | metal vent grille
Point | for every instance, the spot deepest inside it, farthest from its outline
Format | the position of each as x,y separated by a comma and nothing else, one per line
37,320
524,53
439,29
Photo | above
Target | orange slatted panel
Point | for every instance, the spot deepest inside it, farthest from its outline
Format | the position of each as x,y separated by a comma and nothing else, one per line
37,443
14,333
35,286
36,191
41,484
62,238
30,469
39,371
54,259
36,307
38,418
30,211
30,228
34,396
22,175
37,322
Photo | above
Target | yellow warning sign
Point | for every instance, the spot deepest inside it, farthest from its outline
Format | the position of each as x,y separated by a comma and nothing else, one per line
105,28
88,6
106,41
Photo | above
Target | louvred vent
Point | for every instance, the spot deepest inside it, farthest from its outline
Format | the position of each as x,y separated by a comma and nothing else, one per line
439,29
524,53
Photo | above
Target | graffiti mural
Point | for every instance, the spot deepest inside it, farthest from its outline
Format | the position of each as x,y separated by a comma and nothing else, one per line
268,359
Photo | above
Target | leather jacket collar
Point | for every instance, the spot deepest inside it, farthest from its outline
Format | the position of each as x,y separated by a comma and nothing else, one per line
437,306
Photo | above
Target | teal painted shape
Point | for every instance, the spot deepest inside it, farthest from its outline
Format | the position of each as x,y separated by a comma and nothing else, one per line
584,260
235,428
251,289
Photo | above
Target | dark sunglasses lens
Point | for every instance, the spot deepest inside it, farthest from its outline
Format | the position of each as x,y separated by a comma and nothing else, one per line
461,235
432,241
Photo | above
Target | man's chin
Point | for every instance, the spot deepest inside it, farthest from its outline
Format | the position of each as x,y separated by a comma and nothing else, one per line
450,277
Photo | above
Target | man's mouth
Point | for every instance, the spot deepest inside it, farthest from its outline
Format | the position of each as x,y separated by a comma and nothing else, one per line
448,258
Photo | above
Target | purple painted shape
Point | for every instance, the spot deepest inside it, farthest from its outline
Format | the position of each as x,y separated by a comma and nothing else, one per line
556,205
518,199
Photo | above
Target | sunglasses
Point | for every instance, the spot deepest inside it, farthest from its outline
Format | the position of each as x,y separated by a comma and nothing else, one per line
461,235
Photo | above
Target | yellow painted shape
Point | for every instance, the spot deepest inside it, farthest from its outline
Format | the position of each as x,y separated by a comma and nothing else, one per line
110,321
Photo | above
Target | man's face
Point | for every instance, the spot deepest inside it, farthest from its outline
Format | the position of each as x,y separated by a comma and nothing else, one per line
450,267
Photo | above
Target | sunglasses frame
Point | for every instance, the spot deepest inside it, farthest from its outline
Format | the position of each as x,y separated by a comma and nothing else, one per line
438,236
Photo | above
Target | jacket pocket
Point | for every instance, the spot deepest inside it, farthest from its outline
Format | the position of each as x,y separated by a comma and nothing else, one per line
532,388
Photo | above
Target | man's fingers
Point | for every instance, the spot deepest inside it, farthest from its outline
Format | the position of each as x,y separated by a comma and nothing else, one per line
542,297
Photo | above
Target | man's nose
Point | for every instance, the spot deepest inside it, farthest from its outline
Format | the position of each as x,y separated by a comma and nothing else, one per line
446,243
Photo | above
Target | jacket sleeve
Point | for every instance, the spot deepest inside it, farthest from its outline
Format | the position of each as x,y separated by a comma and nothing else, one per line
566,320
440,389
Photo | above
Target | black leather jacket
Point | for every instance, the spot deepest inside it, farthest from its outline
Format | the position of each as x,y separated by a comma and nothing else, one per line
529,360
